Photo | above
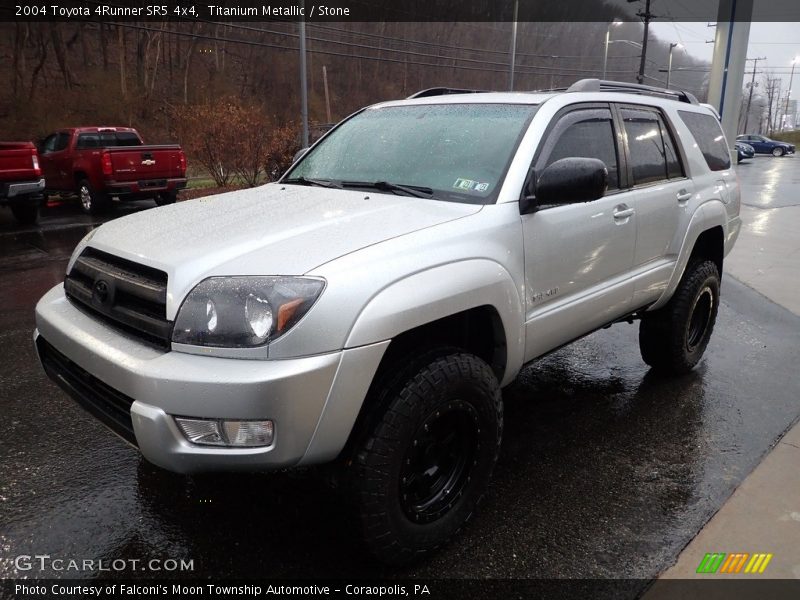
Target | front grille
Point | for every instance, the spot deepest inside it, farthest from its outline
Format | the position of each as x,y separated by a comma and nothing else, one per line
131,296
104,402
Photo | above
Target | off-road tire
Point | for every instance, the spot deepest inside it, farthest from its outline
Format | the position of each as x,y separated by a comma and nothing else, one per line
428,398
92,202
673,338
25,213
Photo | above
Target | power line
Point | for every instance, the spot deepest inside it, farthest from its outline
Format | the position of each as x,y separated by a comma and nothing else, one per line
397,40
450,47
531,69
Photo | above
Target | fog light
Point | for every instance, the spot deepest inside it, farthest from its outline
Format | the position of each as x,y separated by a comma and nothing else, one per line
218,432
248,433
201,431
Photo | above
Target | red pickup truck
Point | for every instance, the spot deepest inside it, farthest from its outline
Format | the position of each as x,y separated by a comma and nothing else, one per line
99,163
21,182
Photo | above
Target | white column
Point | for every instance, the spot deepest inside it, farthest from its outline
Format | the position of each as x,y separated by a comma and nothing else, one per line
729,62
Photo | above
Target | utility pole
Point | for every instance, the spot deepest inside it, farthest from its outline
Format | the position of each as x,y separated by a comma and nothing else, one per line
789,93
772,88
327,97
752,85
513,47
303,79
646,16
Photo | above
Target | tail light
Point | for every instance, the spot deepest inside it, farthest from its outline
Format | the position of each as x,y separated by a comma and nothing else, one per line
106,162
35,160
182,162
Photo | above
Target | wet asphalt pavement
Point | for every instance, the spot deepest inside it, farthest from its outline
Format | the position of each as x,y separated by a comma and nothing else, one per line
606,470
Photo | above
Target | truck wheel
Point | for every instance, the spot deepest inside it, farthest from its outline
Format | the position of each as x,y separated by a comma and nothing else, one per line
778,151
92,202
166,198
25,214
673,338
426,463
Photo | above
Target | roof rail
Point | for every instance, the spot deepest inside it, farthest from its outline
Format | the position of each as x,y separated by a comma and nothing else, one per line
441,91
602,85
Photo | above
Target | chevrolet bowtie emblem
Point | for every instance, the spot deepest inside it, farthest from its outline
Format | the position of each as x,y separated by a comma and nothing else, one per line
148,161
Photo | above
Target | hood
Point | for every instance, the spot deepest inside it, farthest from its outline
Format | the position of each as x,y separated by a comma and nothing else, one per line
274,229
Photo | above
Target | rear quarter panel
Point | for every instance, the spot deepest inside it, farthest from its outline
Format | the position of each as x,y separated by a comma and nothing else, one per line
715,202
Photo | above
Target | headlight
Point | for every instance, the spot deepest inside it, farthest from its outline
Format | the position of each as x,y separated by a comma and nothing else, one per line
243,312
80,247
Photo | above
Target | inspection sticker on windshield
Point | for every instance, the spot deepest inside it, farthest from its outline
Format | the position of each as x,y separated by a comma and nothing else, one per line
469,184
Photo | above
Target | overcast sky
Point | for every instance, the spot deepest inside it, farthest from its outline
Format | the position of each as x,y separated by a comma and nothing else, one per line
778,42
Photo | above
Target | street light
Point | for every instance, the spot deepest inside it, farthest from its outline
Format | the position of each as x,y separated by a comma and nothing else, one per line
789,93
669,67
614,23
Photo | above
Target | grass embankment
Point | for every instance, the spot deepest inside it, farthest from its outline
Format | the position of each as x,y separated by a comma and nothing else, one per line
793,137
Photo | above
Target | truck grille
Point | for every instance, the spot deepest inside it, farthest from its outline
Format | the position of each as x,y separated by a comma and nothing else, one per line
107,404
128,295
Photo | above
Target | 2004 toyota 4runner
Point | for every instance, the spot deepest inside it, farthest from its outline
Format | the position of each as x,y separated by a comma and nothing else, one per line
367,309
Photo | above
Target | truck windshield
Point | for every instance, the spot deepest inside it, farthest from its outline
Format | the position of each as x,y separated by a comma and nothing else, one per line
456,152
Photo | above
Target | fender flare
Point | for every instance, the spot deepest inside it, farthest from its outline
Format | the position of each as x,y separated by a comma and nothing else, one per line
440,292
707,216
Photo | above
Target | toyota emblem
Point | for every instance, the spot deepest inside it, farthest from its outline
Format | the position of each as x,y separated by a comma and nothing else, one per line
101,291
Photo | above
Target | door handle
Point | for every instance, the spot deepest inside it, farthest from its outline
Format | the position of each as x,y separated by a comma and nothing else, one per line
684,196
622,212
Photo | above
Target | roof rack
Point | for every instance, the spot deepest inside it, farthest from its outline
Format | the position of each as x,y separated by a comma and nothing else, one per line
602,85
441,91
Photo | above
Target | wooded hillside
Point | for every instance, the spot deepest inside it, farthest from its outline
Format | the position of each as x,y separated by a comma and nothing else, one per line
153,75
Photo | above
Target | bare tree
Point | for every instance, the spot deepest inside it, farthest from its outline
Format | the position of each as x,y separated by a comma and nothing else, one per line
21,33
61,55
123,87
41,47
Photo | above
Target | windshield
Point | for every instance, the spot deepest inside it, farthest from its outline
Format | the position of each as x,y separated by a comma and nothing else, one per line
456,152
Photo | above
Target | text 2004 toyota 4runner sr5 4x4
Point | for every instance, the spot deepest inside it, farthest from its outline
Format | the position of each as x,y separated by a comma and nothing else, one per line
368,307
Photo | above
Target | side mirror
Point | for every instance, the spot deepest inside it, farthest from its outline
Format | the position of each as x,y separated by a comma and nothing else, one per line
299,154
571,180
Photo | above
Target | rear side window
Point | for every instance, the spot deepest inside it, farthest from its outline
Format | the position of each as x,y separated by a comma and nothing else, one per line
111,139
709,137
126,138
88,140
589,133
653,155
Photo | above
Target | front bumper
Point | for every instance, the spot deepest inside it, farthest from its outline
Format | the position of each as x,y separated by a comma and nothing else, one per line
295,394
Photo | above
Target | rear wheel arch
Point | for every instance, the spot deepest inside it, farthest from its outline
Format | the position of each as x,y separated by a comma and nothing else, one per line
79,176
704,238
710,245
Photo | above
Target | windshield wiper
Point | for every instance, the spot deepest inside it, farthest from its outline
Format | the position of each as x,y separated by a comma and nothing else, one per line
412,190
318,182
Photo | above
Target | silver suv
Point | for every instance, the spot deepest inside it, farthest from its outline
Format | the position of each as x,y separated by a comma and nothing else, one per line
367,309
